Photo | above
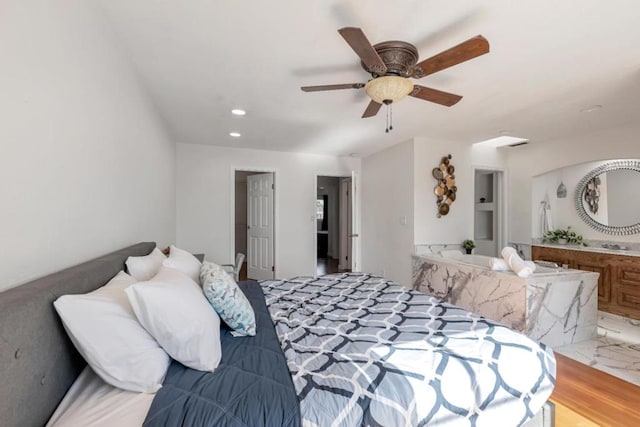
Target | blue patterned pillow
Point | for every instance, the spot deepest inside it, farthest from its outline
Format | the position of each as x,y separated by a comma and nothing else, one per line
227,299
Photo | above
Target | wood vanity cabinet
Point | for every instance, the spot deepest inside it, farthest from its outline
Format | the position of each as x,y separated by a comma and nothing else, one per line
619,280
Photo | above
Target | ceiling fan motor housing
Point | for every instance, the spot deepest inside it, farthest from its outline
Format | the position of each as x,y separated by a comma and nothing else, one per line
398,56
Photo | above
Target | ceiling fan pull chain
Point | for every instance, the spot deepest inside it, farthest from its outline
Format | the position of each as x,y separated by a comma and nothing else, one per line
387,129
390,116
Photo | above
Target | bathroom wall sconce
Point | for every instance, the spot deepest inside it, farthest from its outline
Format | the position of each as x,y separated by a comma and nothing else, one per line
561,192
445,190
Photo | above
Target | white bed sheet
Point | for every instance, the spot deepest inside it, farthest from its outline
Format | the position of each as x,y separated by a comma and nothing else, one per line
92,402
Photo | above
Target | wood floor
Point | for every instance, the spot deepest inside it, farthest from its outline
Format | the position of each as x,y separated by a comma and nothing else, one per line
243,272
324,266
327,266
585,396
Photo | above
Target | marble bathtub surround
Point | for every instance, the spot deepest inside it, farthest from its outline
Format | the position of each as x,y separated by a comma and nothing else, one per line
437,248
556,307
523,249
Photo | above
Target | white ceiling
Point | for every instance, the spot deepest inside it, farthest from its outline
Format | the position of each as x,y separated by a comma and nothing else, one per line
198,59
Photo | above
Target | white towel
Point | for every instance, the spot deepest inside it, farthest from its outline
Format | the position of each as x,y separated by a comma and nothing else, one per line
517,264
531,265
545,217
499,264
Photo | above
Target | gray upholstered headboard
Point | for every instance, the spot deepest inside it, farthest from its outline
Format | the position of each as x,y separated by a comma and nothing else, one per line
38,362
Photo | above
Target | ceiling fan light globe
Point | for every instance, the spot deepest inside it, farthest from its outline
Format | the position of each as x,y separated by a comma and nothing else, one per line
392,88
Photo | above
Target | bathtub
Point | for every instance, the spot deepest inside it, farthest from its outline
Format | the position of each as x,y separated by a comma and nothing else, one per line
482,261
554,305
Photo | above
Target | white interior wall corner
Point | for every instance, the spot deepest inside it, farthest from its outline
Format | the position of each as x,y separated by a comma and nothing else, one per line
86,166
387,198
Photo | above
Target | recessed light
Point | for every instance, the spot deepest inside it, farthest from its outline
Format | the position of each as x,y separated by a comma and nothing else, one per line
238,112
235,134
591,109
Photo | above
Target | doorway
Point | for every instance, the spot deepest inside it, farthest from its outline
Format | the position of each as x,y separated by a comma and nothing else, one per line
254,230
489,226
334,213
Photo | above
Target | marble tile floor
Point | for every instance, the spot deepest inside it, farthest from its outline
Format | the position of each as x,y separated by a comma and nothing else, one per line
616,349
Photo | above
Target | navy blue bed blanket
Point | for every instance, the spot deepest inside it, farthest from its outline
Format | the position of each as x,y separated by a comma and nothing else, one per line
252,386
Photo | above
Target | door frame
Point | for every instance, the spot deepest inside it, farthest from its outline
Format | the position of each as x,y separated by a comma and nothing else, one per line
503,237
232,207
348,226
315,228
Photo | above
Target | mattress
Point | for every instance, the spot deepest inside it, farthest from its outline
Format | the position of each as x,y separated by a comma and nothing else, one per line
365,351
91,402
360,350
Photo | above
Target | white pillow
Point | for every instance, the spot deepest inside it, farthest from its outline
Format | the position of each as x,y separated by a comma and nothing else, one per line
173,309
185,262
104,329
145,267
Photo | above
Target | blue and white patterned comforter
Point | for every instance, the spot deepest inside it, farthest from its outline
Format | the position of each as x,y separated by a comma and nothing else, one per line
366,351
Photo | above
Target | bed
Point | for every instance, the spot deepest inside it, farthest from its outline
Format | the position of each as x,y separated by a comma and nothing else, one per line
348,349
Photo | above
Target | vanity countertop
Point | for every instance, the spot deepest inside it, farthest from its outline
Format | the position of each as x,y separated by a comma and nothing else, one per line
634,249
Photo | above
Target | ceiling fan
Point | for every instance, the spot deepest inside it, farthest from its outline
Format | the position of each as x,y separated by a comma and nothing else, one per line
392,63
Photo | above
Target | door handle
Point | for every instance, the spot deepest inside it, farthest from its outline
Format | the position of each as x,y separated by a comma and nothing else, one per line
353,235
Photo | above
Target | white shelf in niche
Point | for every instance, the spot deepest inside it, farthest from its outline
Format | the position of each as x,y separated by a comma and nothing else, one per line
487,206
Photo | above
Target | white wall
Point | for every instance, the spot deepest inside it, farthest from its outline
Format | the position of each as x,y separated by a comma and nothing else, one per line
563,211
397,183
204,194
85,165
619,202
458,224
527,161
387,198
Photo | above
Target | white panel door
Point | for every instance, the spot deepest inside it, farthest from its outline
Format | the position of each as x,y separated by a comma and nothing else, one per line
260,197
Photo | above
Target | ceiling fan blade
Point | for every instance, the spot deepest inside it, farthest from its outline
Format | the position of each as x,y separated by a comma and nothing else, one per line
434,95
332,87
372,109
361,46
465,51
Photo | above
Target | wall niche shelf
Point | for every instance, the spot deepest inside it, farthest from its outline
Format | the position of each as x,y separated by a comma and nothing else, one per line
485,206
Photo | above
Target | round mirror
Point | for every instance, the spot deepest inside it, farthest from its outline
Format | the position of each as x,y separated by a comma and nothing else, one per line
608,197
